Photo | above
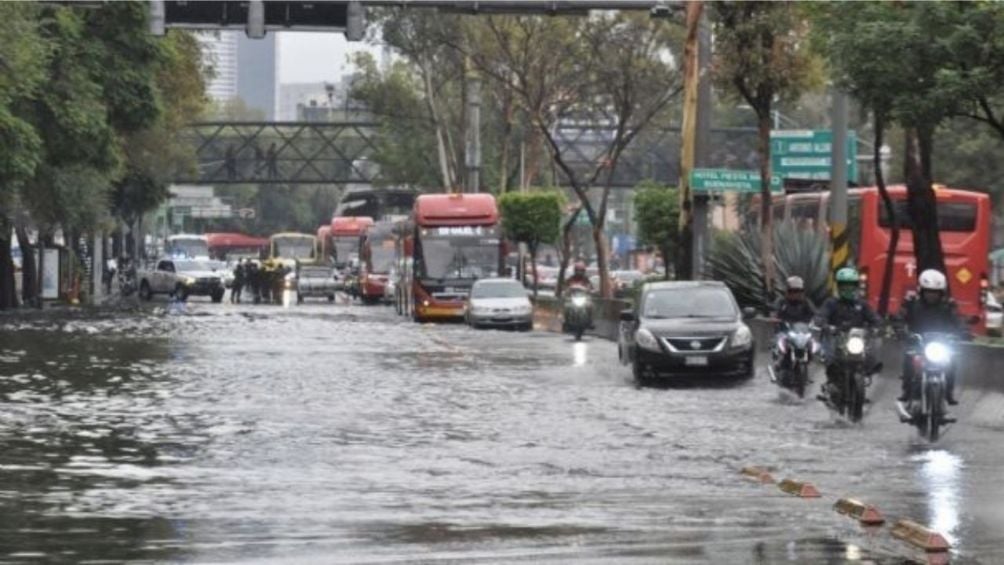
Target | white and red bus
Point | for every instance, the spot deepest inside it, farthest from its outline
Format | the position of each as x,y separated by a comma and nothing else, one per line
223,245
454,240
346,234
377,258
964,222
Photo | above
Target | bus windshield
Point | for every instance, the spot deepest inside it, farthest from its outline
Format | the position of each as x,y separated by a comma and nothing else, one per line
345,247
382,257
459,254
294,247
188,247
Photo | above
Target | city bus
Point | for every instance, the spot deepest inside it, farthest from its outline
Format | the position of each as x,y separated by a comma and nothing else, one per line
382,204
324,243
377,257
964,219
346,235
188,246
223,246
455,240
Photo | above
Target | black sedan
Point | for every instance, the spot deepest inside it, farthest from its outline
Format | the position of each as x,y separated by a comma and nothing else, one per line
686,329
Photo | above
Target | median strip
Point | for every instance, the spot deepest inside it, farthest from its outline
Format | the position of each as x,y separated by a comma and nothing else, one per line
758,474
798,488
863,513
919,536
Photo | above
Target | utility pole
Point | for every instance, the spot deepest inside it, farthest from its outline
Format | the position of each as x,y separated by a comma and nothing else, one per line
702,147
472,150
839,244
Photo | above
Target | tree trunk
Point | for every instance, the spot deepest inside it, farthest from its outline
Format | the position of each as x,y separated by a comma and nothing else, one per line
600,241
29,269
766,220
533,268
921,202
443,147
664,250
8,288
566,251
890,259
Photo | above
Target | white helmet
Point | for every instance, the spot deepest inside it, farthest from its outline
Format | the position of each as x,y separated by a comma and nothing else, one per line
933,279
795,283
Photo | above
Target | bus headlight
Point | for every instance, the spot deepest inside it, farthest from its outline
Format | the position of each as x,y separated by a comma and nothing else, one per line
937,353
855,345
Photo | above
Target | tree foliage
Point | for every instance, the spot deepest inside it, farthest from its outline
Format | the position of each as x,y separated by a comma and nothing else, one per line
761,55
656,209
533,218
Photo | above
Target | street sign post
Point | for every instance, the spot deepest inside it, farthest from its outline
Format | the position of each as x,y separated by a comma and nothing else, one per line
806,154
728,180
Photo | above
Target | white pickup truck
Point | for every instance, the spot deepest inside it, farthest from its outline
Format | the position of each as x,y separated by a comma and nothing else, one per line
182,278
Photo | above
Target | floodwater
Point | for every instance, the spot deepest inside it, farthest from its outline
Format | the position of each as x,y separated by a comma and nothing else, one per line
342,434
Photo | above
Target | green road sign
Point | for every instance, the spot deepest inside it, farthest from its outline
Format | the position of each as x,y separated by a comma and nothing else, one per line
805,154
728,180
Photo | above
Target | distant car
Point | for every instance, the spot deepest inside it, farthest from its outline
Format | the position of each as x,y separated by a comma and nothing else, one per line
499,303
994,315
182,278
686,329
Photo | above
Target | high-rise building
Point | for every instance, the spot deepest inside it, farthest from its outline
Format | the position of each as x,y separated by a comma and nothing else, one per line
219,53
257,74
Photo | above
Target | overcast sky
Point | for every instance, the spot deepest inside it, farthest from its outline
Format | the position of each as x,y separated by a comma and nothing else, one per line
316,56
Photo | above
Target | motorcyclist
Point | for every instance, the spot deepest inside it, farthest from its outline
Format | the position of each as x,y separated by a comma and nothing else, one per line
579,277
845,309
793,308
930,311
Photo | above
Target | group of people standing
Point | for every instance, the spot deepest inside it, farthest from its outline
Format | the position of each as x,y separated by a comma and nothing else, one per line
255,281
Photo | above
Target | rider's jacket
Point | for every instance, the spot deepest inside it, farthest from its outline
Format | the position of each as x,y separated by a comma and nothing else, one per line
921,317
842,312
794,311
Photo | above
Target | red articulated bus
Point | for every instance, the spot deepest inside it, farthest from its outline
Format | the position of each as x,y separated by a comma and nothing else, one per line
377,259
324,242
964,221
455,240
346,234
223,246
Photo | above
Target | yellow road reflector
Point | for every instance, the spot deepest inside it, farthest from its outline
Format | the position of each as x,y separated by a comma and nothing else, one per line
757,474
798,488
964,275
919,536
864,513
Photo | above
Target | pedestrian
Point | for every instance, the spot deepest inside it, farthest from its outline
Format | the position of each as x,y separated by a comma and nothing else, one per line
235,291
259,160
230,162
252,274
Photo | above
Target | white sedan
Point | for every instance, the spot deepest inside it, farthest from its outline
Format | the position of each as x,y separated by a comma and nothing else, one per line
501,303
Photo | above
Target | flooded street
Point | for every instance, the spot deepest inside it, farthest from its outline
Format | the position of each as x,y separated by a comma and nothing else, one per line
326,434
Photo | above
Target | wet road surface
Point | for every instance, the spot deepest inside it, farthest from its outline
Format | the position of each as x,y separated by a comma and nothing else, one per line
332,433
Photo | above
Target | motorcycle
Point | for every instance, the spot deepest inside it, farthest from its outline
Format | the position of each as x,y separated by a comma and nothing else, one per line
127,280
927,410
851,361
793,351
578,312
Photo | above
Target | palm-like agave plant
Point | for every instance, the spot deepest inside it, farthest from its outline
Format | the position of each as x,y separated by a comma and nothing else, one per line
735,260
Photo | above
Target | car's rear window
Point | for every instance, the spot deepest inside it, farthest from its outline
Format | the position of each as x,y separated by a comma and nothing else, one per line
690,302
498,290
952,216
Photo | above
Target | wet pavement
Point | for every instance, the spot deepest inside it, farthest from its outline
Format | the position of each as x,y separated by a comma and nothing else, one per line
341,434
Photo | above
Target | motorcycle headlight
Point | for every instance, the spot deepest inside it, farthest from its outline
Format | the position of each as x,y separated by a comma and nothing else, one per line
855,345
580,300
742,337
646,340
937,353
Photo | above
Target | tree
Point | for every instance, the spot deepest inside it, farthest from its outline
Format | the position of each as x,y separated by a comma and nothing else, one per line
532,218
613,68
885,54
23,57
760,55
656,208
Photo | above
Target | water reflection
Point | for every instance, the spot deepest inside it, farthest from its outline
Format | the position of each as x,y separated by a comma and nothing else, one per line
940,473
580,353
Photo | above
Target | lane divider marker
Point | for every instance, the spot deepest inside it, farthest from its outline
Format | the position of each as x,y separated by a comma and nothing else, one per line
920,536
798,488
758,474
863,513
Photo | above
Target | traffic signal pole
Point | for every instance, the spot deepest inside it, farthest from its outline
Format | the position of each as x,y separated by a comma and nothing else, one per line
840,250
702,146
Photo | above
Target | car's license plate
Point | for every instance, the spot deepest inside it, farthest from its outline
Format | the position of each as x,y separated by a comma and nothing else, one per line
696,361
